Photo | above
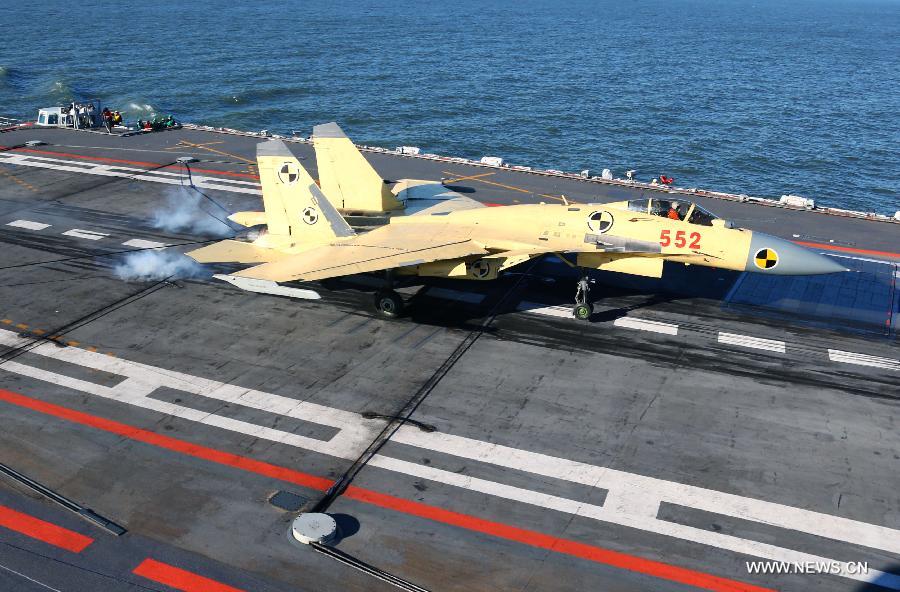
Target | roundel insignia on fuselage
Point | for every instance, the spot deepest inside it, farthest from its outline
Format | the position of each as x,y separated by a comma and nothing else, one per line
288,173
766,258
600,221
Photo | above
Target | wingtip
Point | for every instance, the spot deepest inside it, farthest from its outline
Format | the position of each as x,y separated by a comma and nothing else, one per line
273,148
328,130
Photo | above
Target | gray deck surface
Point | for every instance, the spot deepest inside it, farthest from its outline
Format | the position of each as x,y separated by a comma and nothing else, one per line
665,442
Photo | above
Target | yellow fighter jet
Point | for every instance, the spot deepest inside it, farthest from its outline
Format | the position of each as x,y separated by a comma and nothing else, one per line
305,238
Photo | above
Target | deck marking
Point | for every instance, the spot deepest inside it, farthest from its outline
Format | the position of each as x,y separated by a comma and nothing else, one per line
467,177
24,184
836,355
43,531
473,523
447,294
180,579
512,187
638,496
143,244
30,579
563,312
198,179
217,151
849,249
646,325
88,234
28,224
751,342
152,165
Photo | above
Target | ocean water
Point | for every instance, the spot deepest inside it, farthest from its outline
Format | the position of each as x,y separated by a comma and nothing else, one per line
763,97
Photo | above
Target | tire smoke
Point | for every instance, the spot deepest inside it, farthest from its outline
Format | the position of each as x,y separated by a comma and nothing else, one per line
184,213
158,265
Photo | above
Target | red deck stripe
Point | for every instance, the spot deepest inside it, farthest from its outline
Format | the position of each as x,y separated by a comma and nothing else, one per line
528,537
180,579
43,531
552,543
139,163
850,249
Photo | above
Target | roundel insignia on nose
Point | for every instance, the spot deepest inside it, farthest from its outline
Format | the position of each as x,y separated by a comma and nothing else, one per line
288,174
766,258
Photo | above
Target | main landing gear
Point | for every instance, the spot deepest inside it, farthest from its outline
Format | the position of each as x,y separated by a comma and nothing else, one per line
387,301
583,309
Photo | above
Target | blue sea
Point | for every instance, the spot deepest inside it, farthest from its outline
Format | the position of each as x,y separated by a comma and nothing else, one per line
764,97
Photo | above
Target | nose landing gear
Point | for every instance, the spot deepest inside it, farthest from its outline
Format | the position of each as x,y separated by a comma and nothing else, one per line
583,309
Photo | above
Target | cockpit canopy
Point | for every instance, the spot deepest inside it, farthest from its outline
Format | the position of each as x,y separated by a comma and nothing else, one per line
674,209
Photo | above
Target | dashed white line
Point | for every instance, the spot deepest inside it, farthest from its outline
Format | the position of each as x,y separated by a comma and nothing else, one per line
447,294
143,244
549,311
28,224
836,355
646,325
751,342
88,234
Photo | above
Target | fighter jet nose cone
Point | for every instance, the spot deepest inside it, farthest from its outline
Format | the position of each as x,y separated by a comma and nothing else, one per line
772,255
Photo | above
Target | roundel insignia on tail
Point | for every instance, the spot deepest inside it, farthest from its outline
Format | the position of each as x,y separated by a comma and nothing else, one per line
480,268
766,258
310,215
288,173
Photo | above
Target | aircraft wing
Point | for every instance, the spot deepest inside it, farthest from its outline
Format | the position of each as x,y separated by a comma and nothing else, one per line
427,207
430,197
387,247
231,251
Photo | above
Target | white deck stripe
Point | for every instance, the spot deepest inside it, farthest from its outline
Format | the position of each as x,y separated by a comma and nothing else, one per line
169,178
646,325
143,244
751,342
836,355
447,294
562,312
632,501
28,224
88,234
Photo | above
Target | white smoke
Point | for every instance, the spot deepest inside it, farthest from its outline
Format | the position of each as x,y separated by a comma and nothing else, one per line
138,108
183,212
157,265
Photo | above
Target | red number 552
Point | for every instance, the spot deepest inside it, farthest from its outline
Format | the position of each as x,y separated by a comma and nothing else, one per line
665,239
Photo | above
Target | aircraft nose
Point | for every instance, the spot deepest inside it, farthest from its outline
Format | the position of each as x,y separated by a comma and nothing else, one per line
769,254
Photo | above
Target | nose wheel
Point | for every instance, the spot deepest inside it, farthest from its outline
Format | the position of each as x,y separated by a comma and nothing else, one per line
583,309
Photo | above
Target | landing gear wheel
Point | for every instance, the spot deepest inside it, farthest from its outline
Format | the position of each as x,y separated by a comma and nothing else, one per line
583,309
389,303
583,312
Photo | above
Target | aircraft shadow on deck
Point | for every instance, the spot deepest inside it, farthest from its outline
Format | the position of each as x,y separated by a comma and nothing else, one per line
882,583
865,300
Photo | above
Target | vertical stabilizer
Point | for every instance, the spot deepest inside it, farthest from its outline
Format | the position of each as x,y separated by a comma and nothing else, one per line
346,176
297,212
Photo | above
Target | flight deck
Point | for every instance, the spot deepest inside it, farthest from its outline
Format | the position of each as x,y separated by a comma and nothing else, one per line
701,428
